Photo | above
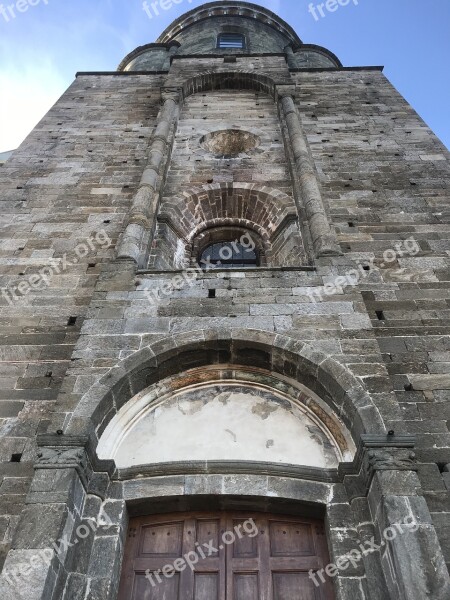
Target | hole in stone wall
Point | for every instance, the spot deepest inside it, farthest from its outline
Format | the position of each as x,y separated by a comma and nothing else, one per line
211,293
72,321
380,315
230,142
16,458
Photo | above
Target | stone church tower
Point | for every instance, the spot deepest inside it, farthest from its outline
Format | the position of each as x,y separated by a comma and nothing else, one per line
225,349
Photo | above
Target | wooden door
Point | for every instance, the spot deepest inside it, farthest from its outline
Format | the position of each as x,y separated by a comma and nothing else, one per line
223,556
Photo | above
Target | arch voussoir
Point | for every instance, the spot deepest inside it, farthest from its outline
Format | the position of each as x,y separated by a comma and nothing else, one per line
277,353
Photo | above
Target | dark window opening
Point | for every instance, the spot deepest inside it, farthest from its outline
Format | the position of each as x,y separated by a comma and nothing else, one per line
229,255
231,40
16,458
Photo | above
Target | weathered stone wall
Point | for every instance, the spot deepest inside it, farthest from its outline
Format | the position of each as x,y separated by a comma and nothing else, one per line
70,181
384,179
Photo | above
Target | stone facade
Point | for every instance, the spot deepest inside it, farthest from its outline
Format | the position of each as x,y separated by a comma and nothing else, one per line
105,204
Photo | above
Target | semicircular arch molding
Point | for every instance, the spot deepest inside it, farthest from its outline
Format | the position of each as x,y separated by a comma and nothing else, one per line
218,413
342,391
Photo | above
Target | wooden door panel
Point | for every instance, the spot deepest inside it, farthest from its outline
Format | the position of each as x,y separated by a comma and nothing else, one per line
290,586
270,562
246,586
144,590
291,539
245,546
164,541
208,532
206,586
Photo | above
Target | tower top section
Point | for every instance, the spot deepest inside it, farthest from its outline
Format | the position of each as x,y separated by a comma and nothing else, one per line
224,28
240,10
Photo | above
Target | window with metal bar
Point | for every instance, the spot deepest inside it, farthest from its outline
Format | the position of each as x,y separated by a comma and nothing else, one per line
231,41
229,255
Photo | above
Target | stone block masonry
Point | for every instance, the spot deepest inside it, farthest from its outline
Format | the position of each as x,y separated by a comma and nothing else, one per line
340,171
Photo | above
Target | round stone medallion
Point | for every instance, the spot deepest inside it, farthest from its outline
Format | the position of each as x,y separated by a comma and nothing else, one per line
230,143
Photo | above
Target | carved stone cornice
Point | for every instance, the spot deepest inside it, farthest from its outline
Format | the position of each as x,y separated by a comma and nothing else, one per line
72,452
65,458
393,459
377,453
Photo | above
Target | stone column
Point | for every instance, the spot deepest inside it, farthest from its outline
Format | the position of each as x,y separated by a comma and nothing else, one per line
35,567
290,56
145,202
412,559
323,237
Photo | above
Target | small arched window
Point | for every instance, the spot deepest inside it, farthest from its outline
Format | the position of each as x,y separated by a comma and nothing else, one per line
231,41
228,247
229,255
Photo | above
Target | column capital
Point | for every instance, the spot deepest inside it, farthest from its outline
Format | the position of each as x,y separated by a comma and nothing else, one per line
65,457
286,91
174,94
71,452
391,459
375,453
388,453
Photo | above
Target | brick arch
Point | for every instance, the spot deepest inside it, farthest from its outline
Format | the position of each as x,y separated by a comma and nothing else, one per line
268,211
229,80
331,381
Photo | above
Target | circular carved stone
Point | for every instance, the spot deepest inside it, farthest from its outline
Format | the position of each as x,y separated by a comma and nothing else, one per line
230,142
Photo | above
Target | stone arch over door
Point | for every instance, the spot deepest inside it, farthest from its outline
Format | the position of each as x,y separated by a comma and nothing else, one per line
332,382
271,213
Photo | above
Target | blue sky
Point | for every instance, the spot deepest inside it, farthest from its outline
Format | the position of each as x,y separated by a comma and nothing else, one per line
42,48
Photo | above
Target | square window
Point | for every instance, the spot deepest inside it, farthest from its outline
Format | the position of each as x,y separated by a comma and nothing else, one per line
231,40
